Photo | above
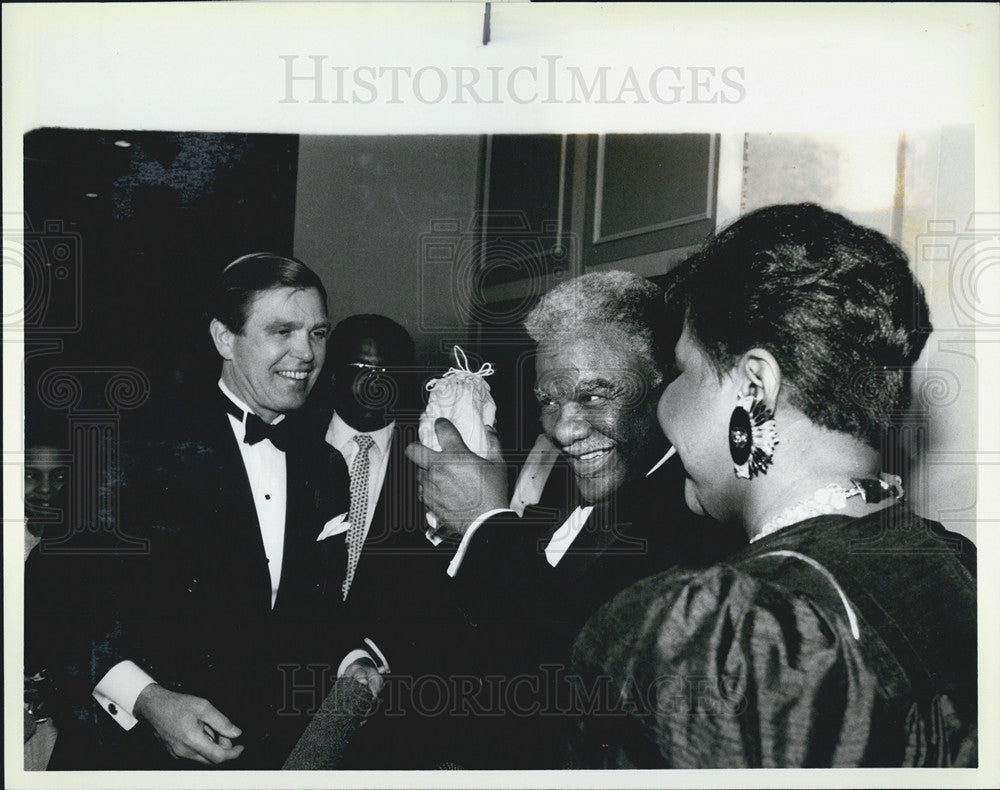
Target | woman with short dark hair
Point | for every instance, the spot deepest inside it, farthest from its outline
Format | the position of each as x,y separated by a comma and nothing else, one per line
845,633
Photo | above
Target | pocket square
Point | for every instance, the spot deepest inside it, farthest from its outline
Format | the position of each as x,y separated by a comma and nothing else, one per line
334,526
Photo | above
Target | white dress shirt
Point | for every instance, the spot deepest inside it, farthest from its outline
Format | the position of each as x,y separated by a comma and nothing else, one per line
265,465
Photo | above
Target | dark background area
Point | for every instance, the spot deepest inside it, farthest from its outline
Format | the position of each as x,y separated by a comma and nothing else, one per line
125,235
456,237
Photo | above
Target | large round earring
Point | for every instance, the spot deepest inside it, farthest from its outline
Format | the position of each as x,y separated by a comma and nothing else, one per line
752,437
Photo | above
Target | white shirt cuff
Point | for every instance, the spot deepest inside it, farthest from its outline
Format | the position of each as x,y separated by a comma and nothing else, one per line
433,537
456,561
378,659
118,690
381,663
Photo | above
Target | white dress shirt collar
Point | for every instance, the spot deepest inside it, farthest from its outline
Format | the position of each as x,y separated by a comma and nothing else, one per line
666,456
340,435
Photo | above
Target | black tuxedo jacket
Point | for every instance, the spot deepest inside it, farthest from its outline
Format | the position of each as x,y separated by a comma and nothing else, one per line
195,611
527,613
642,529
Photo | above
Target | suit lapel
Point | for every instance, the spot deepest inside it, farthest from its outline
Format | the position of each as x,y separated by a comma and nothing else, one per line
295,540
396,545
398,519
311,500
598,535
245,546
613,527
378,531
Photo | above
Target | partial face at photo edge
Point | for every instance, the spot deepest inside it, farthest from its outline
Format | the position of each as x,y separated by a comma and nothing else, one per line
274,362
45,475
597,406
694,412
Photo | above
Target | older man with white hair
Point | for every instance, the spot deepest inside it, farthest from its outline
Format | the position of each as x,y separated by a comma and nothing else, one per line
611,512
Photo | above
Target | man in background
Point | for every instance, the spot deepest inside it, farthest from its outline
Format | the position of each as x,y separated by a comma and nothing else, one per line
396,586
370,427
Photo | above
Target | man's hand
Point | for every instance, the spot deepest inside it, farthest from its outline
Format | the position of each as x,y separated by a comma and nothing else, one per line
364,672
456,485
189,727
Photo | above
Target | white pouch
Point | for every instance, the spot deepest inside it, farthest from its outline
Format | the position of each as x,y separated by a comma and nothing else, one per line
462,396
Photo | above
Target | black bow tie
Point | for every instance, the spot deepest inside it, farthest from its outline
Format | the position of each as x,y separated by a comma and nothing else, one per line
257,430
279,434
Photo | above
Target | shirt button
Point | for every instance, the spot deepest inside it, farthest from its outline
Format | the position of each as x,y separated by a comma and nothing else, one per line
267,496
112,709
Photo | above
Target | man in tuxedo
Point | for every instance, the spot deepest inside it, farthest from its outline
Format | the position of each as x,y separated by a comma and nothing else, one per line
231,630
611,512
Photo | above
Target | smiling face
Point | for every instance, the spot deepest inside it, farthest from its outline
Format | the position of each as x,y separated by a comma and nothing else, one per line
45,475
694,413
274,362
597,407
361,385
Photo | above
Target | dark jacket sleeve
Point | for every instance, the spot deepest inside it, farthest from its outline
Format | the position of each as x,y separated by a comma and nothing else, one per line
504,570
